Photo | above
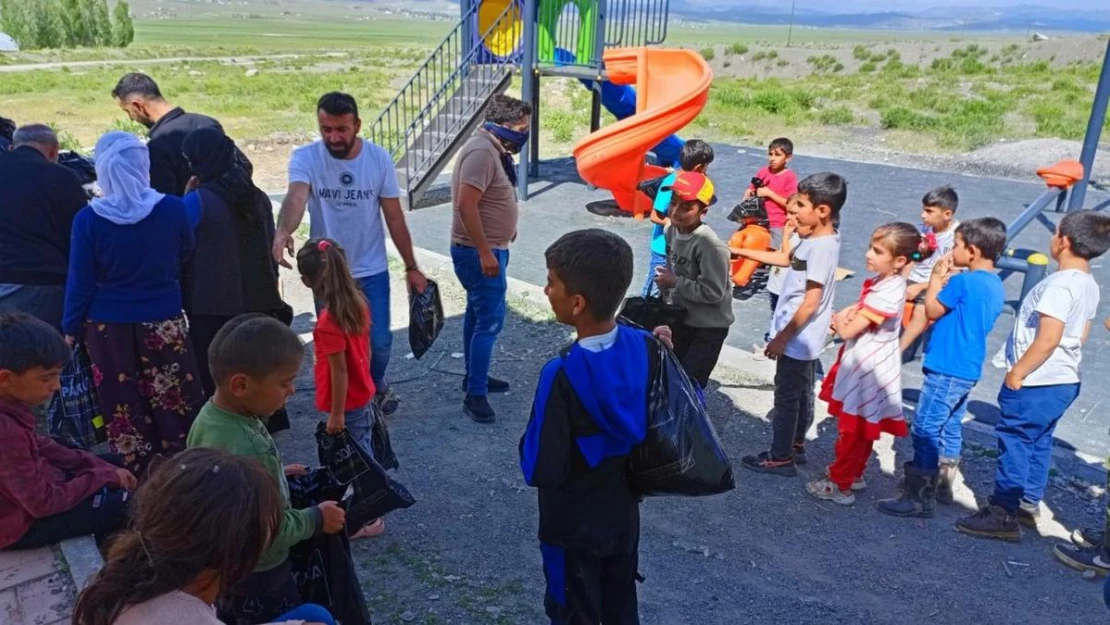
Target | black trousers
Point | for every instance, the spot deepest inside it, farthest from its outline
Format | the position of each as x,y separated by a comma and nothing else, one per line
698,349
101,514
794,381
594,586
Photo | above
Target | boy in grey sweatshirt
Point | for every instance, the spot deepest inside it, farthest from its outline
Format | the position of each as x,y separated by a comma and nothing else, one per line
697,275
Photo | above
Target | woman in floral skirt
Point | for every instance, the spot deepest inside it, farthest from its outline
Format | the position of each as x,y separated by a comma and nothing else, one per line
123,299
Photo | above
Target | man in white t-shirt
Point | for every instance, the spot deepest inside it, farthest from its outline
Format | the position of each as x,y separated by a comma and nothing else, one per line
349,184
1043,355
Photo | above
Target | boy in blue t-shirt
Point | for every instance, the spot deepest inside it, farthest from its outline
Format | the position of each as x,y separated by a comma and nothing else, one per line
696,156
964,307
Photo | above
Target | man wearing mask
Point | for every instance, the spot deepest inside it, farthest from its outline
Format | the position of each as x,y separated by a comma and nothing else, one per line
483,193
349,184
138,95
40,199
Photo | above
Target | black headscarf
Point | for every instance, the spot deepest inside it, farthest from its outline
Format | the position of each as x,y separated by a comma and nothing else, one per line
215,161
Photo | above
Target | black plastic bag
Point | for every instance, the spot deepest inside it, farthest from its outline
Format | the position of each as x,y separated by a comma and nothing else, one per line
322,565
651,312
751,208
74,417
651,186
425,319
375,493
379,441
681,454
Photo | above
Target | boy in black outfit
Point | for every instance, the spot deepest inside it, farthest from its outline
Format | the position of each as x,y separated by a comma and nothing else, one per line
590,410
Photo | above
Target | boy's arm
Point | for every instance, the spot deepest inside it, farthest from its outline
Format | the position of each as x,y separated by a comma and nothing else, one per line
939,296
779,258
28,489
713,284
296,526
658,218
770,194
545,448
1050,331
809,306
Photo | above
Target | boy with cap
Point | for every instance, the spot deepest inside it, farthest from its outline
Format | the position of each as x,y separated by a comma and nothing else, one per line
696,276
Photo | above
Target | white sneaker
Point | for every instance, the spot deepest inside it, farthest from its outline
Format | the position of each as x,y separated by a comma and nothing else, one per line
824,489
757,352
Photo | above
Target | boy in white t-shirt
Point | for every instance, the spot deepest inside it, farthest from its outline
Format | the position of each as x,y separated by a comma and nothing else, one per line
1043,355
801,320
938,218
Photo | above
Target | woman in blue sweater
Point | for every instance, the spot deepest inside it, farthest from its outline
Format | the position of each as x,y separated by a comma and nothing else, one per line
123,298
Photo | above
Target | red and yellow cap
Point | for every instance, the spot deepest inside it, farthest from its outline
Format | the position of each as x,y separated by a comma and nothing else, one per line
691,185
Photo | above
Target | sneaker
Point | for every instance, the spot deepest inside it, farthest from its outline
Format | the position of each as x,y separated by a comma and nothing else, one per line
800,456
493,385
991,521
858,485
824,489
1082,559
478,409
1088,538
1028,514
757,352
764,463
387,402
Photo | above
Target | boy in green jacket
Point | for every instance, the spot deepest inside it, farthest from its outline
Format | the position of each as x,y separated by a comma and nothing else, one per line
254,361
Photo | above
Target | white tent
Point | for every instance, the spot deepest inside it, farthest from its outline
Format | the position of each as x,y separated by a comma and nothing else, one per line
7,44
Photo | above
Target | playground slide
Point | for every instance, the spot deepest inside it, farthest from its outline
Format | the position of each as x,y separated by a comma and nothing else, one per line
672,87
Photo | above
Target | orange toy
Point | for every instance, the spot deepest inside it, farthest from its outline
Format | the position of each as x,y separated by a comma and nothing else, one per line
754,234
1062,175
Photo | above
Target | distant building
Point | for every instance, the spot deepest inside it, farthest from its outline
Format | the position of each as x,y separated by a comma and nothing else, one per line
7,44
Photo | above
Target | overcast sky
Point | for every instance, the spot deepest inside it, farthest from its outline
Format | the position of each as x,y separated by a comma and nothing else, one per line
861,6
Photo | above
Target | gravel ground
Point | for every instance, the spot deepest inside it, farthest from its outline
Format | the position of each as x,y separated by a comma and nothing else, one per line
766,552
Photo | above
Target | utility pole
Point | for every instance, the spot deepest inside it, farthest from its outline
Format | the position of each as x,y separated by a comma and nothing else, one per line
790,33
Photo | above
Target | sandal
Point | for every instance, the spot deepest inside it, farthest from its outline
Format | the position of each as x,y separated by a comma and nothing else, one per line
373,529
824,489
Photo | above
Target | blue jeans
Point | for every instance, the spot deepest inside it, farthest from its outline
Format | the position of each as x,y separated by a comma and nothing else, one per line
1025,425
938,421
650,288
485,312
360,425
376,289
309,613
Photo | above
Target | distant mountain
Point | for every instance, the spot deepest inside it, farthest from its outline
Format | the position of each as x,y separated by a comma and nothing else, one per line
1012,18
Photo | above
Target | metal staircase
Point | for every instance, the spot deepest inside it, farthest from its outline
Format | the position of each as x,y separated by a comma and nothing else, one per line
441,105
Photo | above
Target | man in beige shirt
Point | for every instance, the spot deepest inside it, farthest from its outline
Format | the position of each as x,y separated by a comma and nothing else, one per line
483,193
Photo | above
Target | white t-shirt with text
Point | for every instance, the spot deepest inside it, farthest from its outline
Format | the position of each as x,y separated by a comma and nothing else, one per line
344,200
1070,296
945,242
814,260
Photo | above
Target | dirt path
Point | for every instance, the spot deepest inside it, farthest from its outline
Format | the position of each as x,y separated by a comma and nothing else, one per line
467,553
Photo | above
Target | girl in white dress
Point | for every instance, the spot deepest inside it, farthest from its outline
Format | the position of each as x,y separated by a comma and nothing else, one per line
864,388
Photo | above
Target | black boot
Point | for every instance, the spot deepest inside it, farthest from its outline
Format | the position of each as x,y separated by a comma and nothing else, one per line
919,495
945,478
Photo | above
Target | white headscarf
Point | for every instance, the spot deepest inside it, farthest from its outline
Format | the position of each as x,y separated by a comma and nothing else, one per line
123,174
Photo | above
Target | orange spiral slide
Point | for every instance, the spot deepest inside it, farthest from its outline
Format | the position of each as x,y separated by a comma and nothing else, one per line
672,87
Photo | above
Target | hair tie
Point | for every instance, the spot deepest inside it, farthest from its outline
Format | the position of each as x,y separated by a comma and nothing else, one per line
930,242
916,256
323,245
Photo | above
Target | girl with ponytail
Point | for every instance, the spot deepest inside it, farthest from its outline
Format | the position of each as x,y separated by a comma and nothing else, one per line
199,525
344,389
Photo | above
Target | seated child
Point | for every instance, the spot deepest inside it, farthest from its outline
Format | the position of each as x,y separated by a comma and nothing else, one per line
801,320
938,210
48,492
1043,355
698,277
200,524
254,361
696,155
864,388
590,410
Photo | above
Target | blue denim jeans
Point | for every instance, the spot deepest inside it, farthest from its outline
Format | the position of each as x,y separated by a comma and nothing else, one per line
485,312
309,613
360,425
650,288
376,289
1025,425
938,421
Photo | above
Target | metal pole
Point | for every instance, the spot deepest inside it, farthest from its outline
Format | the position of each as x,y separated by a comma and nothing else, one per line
595,106
534,145
468,25
790,33
528,90
1094,131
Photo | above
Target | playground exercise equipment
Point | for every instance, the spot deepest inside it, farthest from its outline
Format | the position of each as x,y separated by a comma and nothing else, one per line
672,87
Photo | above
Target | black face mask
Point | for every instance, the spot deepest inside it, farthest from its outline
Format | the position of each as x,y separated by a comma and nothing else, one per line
513,140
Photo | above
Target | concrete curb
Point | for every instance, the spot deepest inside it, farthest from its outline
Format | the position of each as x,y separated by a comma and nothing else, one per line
82,557
1084,466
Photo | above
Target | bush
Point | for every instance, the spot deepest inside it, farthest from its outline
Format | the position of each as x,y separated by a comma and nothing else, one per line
708,54
738,49
823,63
839,67
867,67
765,55
782,63
837,116
902,118
861,53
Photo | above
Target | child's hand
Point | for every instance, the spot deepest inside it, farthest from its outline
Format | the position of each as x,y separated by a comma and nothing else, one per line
775,348
295,470
943,267
1107,323
763,192
126,479
665,336
334,517
748,193
336,423
665,278
1013,382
